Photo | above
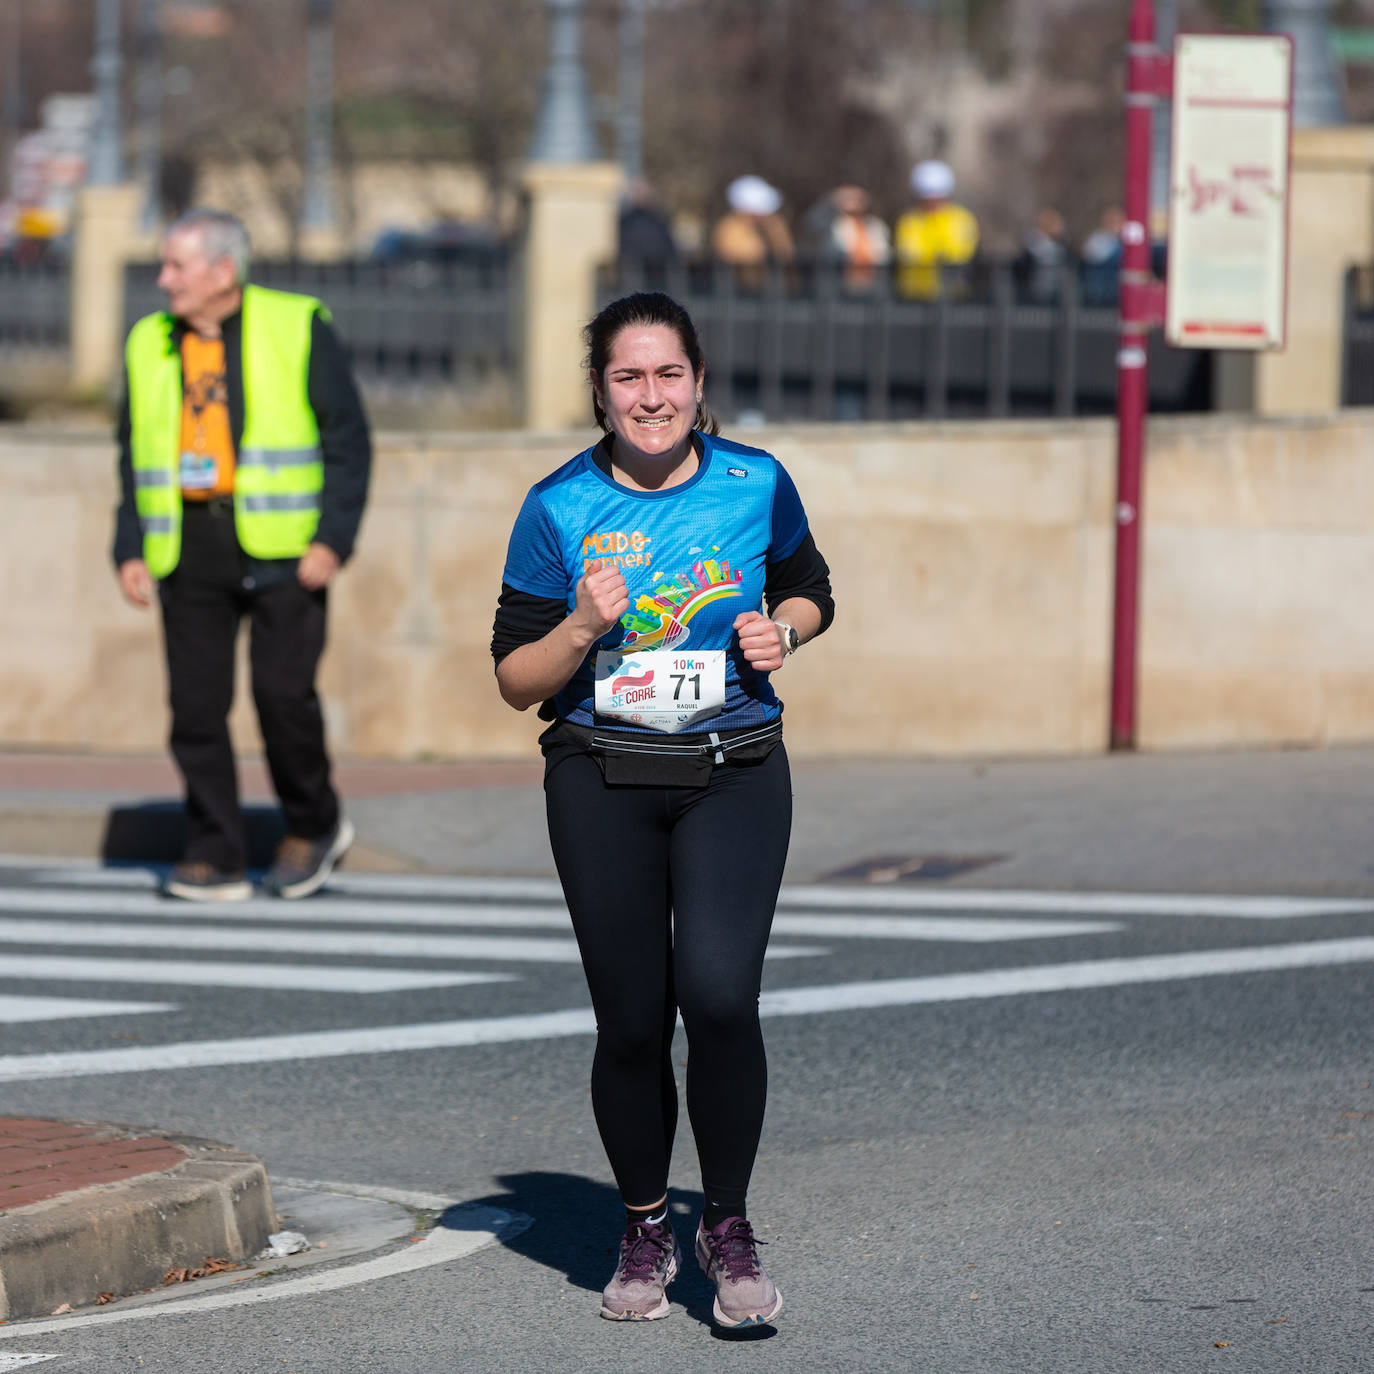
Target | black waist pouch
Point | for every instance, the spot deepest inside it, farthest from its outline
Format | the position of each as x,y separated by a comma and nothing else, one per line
663,761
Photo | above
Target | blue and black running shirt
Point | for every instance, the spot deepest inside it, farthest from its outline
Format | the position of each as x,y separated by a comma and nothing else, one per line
693,556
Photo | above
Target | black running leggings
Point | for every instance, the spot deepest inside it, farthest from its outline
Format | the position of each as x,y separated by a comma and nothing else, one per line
671,892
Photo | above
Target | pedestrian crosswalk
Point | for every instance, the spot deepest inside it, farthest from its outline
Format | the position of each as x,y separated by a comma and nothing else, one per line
65,926
69,928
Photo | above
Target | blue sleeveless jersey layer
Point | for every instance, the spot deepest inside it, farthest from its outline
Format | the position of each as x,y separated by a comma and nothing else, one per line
693,557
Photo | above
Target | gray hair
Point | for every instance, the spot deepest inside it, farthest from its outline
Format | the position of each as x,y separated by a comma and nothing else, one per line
222,235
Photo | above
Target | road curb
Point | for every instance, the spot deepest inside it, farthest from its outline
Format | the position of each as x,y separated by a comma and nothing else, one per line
121,1238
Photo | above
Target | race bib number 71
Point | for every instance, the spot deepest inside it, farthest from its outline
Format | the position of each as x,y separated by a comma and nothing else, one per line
662,689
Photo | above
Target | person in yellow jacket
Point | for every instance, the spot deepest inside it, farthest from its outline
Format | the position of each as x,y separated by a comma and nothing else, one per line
936,239
244,457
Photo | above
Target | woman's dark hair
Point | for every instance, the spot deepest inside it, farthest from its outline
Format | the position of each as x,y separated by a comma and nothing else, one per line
644,307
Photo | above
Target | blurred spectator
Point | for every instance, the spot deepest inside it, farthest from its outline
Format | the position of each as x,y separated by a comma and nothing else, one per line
645,238
936,238
1045,252
753,234
842,229
1101,259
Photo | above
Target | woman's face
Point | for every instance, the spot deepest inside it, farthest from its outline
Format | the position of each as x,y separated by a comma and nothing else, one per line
648,391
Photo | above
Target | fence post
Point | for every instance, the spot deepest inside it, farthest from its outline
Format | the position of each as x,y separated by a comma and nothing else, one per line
107,236
571,231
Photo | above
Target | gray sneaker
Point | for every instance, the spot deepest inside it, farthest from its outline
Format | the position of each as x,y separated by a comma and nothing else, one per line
194,880
729,1257
648,1264
303,866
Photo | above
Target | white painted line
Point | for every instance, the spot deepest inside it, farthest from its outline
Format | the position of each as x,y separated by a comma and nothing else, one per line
112,935
275,977
17,1361
469,1227
793,898
1097,973
333,911
16,1009
270,1049
977,930
1071,903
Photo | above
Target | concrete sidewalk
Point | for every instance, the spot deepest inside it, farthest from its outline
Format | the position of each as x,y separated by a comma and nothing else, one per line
90,1213
1279,820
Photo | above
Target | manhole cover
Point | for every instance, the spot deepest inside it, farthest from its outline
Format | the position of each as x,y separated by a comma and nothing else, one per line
907,868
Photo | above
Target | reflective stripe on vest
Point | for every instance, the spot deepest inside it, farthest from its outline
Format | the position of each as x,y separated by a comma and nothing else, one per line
279,472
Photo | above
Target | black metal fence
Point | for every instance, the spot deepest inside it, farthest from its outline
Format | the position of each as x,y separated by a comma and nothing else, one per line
35,305
412,326
800,343
1357,371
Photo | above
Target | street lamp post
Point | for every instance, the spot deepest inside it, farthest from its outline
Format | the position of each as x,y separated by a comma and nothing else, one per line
107,160
563,132
630,91
1317,99
148,101
317,200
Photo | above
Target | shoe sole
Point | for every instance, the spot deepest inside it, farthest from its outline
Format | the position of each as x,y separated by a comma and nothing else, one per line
742,1319
654,1313
335,852
223,892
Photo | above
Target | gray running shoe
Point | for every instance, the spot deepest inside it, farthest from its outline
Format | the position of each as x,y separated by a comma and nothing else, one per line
648,1264
303,866
729,1257
194,880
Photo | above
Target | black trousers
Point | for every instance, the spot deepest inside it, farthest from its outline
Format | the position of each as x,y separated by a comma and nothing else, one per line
203,602
672,891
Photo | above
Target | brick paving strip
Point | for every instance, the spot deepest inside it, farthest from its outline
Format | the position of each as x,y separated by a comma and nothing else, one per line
44,1159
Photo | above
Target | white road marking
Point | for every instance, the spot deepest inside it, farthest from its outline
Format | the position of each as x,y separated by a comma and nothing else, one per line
188,973
17,1361
1098,973
468,1227
111,934
797,897
16,1009
334,911
1072,903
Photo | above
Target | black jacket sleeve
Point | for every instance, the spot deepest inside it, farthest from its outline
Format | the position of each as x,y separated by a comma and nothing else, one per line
522,619
802,573
344,440
128,534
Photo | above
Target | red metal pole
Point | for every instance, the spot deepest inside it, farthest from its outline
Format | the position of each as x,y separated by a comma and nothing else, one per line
1132,393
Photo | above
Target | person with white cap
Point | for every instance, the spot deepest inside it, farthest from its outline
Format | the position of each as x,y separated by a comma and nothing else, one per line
754,233
934,236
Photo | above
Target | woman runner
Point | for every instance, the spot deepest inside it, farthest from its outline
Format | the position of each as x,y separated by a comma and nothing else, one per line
630,612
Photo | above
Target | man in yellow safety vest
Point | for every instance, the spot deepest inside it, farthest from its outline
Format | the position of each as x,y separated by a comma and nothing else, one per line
244,456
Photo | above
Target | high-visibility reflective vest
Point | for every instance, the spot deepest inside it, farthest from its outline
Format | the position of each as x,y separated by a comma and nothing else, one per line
279,470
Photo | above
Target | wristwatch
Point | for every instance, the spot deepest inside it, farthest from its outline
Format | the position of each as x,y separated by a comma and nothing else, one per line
790,638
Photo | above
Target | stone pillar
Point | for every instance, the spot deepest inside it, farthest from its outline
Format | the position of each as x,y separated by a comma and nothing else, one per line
571,232
1331,229
107,235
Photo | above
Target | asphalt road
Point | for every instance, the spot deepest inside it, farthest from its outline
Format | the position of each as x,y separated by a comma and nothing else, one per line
1005,1132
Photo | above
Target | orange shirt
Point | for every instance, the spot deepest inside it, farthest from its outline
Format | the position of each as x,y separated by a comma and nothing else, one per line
207,443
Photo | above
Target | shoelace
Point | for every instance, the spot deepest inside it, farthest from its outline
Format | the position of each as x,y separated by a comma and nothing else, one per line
643,1250
737,1251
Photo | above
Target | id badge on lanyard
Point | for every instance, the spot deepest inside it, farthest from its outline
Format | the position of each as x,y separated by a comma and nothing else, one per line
661,689
199,471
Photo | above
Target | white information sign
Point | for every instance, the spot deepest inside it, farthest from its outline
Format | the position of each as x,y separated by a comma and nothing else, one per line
1228,191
